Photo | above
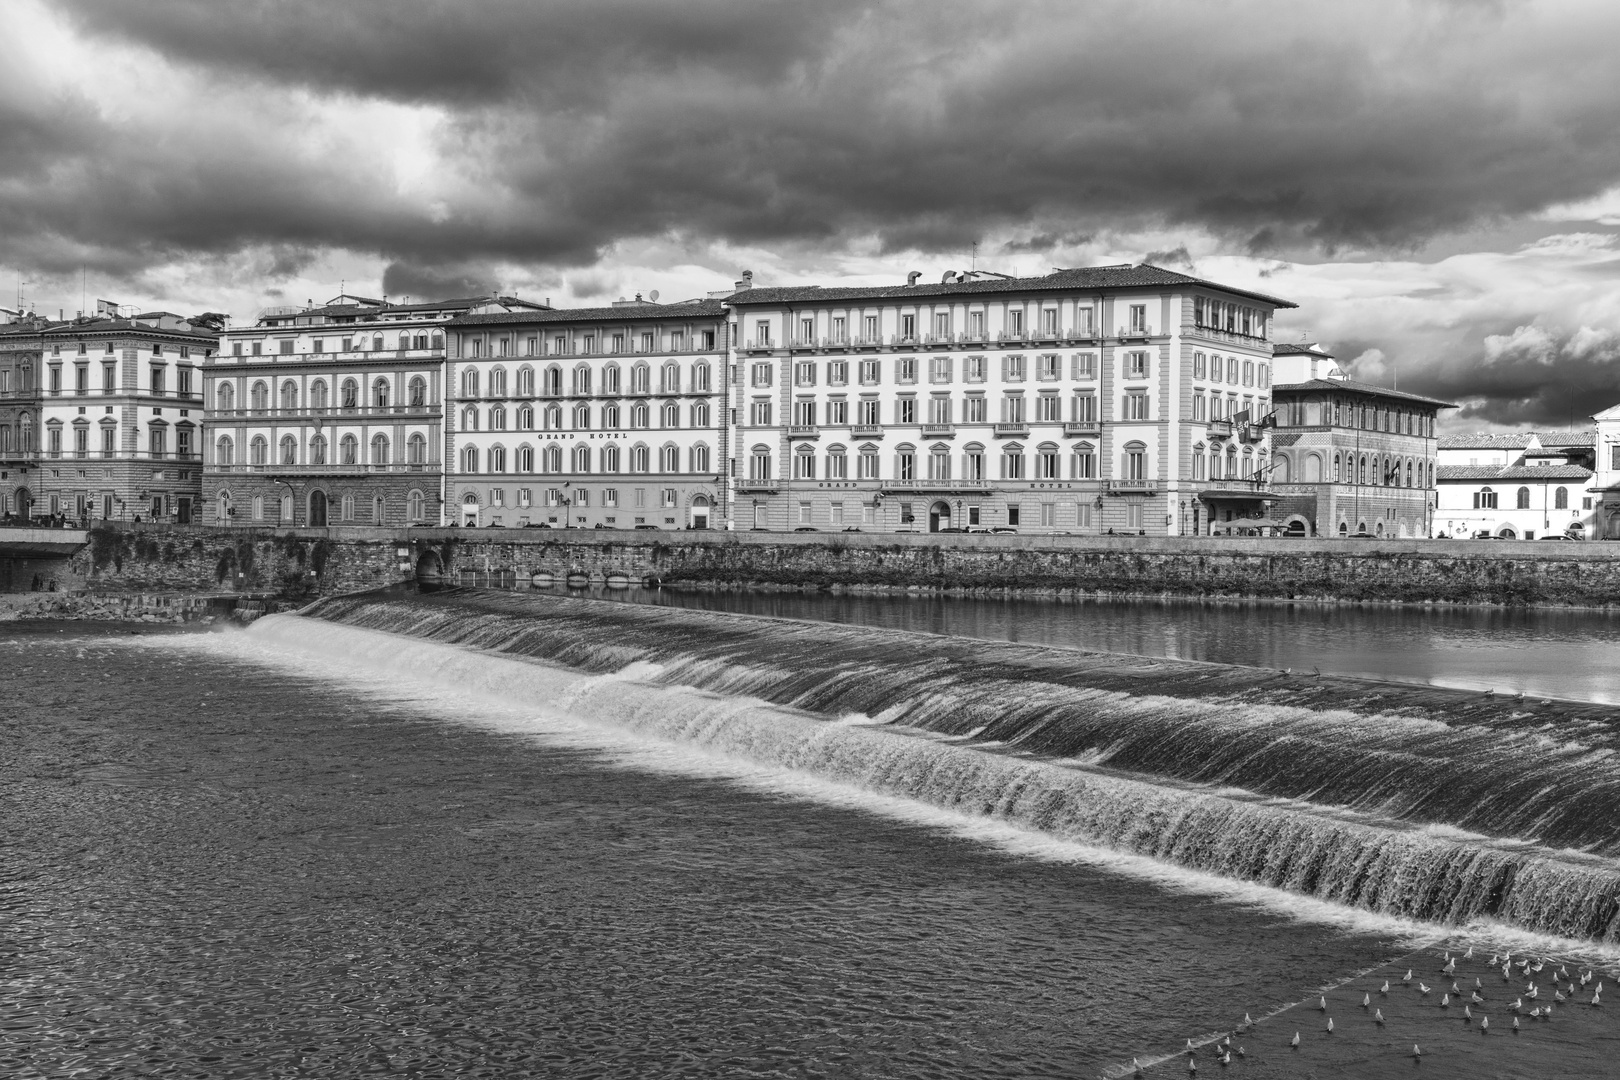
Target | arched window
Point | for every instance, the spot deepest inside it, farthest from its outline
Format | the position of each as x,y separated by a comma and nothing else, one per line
525,381
1136,461
582,459
610,416
1561,498
553,382
1231,462
379,449
640,458
226,397
469,418
317,395
223,510
554,418
469,382
1248,464
700,415
700,379
670,382
415,506
289,450
416,450
525,458
289,395
1313,469
610,458
317,450
258,450
377,510
469,459
640,416
582,417
640,378
438,342
1523,500
582,380
351,395
700,458
1337,468
224,451
1485,499
610,379
349,449
1279,475
418,392
497,381
405,341
672,415
260,397
525,418
376,346
497,418
497,459
1046,462
553,458
759,462
379,393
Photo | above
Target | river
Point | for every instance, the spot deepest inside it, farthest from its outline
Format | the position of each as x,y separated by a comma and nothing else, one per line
497,836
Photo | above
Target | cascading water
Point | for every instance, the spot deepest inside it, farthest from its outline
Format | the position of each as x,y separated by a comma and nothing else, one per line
1431,813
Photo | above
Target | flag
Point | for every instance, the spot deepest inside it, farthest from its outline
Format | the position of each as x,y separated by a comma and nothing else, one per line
1240,417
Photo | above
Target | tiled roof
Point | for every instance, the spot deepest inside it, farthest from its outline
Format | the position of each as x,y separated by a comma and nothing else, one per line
1300,348
458,304
691,309
122,326
1512,472
1367,389
1125,276
1517,440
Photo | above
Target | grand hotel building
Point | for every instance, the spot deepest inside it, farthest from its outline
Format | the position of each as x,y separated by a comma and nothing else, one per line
1115,398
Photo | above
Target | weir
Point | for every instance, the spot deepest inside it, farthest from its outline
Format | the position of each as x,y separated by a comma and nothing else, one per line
1421,804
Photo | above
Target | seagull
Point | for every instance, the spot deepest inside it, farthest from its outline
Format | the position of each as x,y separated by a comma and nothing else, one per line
1477,984
1558,995
1295,1043
1445,1001
1494,959
1191,1049
1451,966
1424,990
1595,1001
1408,979
1469,955
1247,1023
1415,1051
1563,971
1484,1024
1330,1025
1322,1005
1378,1016
1192,1066
1536,1012
1137,1067
1468,1013
1476,999
1226,1058
1515,1023
1366,1000
1385,988
1518,1004
1454,988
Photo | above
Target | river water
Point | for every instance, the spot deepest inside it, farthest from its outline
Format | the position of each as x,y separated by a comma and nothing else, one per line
547,837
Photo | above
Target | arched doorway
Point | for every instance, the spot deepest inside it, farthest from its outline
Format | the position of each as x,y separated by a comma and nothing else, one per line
469,510
700,512
429,571
317,509
939,516
25,502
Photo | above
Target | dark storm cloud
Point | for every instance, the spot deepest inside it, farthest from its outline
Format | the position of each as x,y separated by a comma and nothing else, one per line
577,125
402,279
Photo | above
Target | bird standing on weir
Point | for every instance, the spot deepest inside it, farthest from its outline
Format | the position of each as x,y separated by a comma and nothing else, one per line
1295,1042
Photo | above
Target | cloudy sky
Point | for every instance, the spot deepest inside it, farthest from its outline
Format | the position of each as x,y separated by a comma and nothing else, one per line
1437,184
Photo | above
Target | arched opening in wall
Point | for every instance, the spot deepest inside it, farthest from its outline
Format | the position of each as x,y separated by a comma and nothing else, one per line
25,502
1344,528
939,516
317,509
429,571
469,510
700,512
1297,527
1507,532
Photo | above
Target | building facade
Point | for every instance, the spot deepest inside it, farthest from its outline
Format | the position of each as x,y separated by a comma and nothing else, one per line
331,414
21,359
120,418
601,417
1116,398
1521,486
1350,458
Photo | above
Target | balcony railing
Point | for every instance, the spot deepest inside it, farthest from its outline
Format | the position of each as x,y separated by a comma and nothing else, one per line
939,431
1133,487
757,487
329,411
1220,429
1082,428
804,431
905,487
324,470
1020,429
866,431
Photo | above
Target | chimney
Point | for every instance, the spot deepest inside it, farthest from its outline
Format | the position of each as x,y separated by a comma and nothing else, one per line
746,281
946,280
911,278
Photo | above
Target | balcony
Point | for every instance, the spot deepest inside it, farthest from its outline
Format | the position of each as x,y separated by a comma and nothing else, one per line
864,342
866,431
273,470
920,487
804,431
939,431
1220,429
1135,333
1012,335
757,345
1082,429
1132,487
757,487
1018,429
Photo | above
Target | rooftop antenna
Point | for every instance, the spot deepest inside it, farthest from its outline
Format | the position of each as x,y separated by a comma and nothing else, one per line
973,259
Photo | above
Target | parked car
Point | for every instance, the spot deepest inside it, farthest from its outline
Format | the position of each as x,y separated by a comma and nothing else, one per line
852,528
652,528
806,528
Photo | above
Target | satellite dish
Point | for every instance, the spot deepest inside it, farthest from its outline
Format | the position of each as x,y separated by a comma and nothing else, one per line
653,296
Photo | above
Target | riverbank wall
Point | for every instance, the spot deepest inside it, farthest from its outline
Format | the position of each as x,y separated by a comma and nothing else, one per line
300,564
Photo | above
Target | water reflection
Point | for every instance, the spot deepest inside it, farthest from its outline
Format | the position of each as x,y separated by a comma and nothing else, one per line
1541,653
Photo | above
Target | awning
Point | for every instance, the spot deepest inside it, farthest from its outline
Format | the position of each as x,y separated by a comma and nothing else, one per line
1230,495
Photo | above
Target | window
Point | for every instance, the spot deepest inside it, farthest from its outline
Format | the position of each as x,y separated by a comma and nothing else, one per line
317,395
1012,462
469,459
416,450
1136,365
939,409
840,330
1135,461
1085,324
317,450
260,397
1232,369
939,463
905,369
1015,323
973,462
807,331
350,447
379,450
109,378
905,411
975,330
226,396
762,374
1522,501
1199,365
1136,405
1085,408
1046,462
838,373
1012,368
289,450
762,333
869,413
759,413
870,334
804,373
1561,499
258,449
1138,318
351,394
415,506
379,393
804,413
867,467
1085,461
908,328
1012,409
109,436
759,463
1485,499
1048,408
975,410
582,459
942,326
973,368
1049,367
837,463
1200,407
804,463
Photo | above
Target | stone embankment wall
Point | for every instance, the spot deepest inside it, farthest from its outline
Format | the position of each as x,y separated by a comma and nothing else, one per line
303,563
